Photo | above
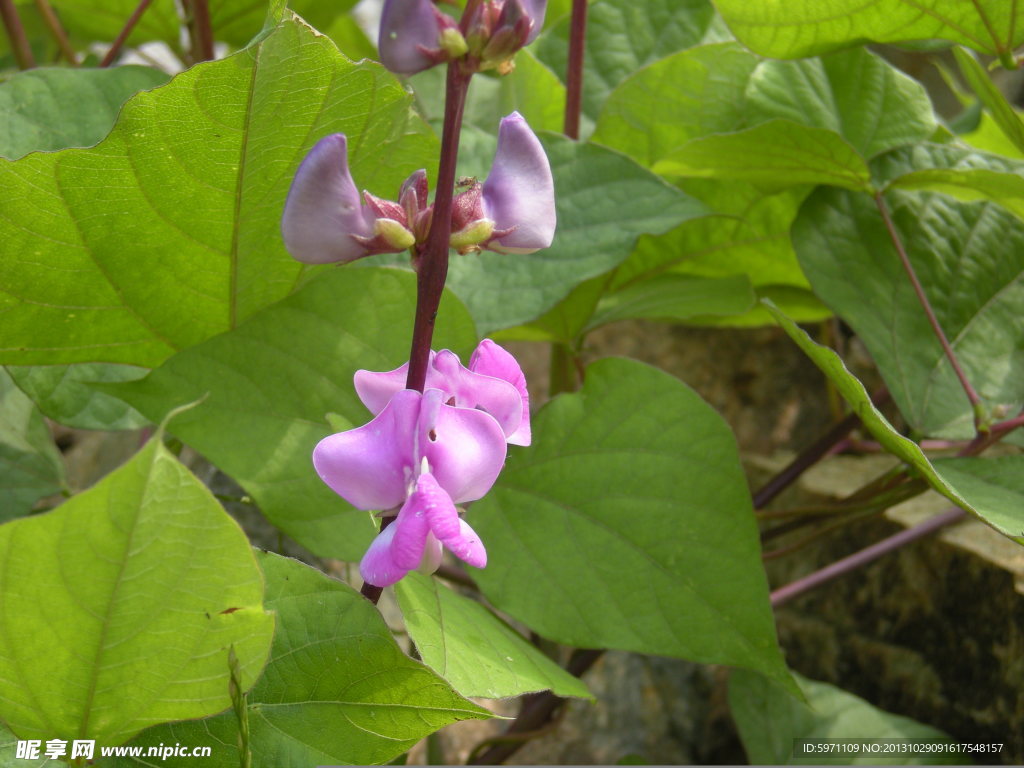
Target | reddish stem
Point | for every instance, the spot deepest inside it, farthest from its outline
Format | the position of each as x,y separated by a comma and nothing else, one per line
574,73
203,39
432,265
972,395
129,25
58,32
865,556
16,34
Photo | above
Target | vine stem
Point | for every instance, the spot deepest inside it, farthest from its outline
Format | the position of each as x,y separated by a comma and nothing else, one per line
976,404
46,11
865,556
16,34
129,25
203,40
574,72
432,264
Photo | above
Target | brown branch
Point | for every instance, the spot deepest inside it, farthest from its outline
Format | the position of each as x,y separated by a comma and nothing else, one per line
129,25
16,34
58,32
574,71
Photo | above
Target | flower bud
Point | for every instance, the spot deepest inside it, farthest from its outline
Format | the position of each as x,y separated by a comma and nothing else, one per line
325,221
519,194
323,214
414,36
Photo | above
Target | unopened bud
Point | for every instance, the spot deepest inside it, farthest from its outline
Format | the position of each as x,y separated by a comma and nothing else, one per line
453,43
472,236
393,234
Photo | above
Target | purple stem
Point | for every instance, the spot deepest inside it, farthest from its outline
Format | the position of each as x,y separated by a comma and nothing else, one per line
865,556
203,31
432,266
574,72
16,34
115,48
976,404
68,50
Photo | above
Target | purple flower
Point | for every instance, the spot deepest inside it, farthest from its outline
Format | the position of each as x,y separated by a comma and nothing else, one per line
514,210
494,383
415,35
423,453
324,219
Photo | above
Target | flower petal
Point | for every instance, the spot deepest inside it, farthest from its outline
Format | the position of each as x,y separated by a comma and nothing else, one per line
495,396
445,523
408,29
378,566
491,359
519,193
465,448
371,466
324,210
411,535
535,9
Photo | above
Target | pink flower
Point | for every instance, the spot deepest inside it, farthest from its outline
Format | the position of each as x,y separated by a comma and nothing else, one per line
423,453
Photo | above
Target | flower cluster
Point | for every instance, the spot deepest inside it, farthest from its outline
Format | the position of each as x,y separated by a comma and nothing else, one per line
425,452
513,211
415,35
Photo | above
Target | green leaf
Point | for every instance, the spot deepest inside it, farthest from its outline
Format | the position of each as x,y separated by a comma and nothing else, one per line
778,152
474,650
1004,114
839,235
858,399
63,393
337,689
995,488
807,27
271,382
350,38
770,719
989,137
957,171
632,506
854,93
605,201
675,297
238,21
30,465
684,96
102,20
531,89
120,606
622,37
167,232
48,109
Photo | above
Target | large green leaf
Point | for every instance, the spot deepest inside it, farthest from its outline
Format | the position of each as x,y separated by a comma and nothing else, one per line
605,201
102,20
64,394
770,720
119,607
681,97
30,465
854,93
167,232
631,508
337,689
805,27
675,297
749,238
474,650
622,36
48,109
994,486
778,152
850,260
959,171
272,381
973,496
